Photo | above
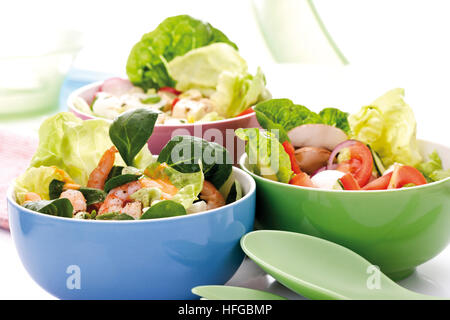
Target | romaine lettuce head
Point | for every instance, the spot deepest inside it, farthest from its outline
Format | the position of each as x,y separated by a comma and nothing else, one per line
37,180
389,127
432,169
76,146
175,36
265,154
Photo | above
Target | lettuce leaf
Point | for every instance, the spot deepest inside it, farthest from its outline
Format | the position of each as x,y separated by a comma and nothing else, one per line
38,180
432,169
236,92
200,68
266,155
175,36
389,127
189,185
76,146
283,115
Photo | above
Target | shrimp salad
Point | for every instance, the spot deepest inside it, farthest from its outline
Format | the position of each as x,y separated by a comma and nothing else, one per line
77,173
373,149
198,76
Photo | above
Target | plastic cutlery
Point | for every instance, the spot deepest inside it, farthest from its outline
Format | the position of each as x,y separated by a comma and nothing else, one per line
320,269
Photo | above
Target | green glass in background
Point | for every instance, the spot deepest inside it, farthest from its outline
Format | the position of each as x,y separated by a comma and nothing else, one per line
295,33
31,75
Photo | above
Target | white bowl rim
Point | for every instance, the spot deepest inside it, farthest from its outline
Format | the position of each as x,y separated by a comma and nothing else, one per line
77,92
243,167
247,177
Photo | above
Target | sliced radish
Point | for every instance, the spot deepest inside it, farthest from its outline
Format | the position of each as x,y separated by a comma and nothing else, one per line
316,135
116,86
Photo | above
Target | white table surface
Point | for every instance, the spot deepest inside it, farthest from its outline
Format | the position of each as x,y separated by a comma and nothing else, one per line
316,87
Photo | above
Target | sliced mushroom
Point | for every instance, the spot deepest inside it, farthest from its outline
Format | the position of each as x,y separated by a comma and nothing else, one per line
311,159
316,135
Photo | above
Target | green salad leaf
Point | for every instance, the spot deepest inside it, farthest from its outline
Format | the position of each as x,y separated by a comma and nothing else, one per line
120,180
38,180
189,154
265,154
432,169
235,92
131,130
200,68
76,146
389,127
175,36
164,209
58,207
55,189
283,115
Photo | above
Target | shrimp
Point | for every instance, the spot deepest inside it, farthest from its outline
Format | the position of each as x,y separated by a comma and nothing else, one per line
133,209
168,190
99,175
31,197
76,198
118,197
211,196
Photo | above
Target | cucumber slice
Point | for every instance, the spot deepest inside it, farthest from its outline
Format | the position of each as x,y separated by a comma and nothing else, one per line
377,163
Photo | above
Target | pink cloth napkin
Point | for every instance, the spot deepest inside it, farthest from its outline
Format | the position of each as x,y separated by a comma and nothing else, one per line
15,154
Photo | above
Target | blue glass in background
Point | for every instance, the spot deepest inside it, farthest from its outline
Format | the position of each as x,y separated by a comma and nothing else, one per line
76,78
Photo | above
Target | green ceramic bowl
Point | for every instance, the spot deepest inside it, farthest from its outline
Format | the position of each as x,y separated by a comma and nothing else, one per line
396,230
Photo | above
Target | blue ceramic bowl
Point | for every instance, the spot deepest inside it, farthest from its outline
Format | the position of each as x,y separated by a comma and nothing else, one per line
151,259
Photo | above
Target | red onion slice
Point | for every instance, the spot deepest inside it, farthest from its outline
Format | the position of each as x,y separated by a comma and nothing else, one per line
339,147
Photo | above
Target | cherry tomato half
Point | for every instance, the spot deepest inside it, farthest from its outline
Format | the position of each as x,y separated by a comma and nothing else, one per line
360,163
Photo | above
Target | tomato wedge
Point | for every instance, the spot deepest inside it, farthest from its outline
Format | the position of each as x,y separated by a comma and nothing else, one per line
404,175
360,163
302,179
381,183
246,111
349,182
291,153
170,90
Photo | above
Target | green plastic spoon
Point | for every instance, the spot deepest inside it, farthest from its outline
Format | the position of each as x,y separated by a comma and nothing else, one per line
233,293
320,269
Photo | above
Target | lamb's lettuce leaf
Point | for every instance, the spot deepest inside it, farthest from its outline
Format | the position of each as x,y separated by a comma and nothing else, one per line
389,127
265,154
175,36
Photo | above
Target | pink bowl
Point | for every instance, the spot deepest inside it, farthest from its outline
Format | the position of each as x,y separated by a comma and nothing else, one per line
221,131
